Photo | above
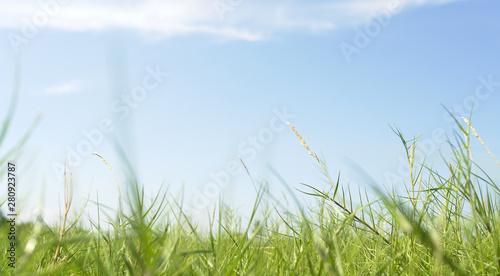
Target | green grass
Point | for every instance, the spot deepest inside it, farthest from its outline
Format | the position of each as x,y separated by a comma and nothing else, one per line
447,223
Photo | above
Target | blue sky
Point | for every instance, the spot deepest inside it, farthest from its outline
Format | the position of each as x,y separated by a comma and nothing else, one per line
229,73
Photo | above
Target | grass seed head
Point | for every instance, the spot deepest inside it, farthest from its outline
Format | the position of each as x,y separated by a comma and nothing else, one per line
302,141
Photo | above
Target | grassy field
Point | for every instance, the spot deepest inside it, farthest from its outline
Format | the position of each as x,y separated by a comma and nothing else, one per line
447,223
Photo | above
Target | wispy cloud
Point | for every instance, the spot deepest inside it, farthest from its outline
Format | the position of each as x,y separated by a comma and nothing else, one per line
64,88
248,20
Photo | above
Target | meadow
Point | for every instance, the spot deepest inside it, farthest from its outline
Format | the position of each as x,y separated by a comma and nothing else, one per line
447,223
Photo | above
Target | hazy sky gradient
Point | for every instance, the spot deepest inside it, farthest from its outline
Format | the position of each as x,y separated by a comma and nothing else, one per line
227,75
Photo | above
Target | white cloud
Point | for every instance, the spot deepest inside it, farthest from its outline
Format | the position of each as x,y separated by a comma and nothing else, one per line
64,88
250,20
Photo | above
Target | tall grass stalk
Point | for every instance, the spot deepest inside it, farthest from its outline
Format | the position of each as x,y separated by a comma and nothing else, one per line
445,223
